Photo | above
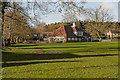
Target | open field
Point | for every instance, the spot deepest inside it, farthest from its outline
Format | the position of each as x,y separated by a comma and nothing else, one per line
74,60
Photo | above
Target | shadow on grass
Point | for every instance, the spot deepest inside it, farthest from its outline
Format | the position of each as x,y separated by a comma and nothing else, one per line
11,56
55,47
24,45
24,57
27,63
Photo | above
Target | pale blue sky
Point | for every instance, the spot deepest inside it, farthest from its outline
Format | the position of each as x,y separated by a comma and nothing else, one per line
56,17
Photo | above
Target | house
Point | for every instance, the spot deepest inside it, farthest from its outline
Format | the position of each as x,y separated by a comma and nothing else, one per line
68,34
113,34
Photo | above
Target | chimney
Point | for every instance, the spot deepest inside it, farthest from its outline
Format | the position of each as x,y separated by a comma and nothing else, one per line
74,24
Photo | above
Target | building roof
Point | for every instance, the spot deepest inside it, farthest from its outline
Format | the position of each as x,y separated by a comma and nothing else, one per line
58,32
67,31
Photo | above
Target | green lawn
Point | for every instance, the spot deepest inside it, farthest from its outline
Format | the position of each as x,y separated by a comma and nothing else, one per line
77,60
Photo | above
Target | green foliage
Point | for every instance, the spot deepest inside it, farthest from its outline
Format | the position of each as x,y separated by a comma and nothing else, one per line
68,23
52,27
77,60
118,26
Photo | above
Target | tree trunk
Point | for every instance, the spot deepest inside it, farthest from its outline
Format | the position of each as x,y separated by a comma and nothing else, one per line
14,40
3,42
99,35
17,39
2,27
9,39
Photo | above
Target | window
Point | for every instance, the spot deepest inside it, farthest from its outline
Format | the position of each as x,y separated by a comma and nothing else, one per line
76,39
69,39
79,39
61,38
80,33
58,39
72,38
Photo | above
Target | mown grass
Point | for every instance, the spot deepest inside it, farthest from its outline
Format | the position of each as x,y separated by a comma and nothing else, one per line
77,60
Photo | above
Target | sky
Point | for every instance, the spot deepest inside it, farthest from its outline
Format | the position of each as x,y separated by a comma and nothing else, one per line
57,17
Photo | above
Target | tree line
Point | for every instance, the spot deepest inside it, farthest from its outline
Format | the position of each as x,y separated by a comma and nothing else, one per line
86,26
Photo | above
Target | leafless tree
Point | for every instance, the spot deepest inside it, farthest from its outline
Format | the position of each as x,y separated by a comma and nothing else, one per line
41,28
37,8
98,21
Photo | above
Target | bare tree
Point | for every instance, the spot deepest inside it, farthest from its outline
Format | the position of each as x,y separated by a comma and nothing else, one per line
72,10
41,28
35,7
98,21
4,5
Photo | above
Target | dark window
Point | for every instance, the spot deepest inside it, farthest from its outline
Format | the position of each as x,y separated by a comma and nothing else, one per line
61,38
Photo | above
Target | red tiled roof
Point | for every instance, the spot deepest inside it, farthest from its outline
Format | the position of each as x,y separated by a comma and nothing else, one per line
66,31
59,32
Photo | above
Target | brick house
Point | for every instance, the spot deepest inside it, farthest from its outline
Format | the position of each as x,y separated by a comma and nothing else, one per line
67,34
113,34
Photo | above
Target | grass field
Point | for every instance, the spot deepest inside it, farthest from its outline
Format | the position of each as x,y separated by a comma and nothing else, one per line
76,60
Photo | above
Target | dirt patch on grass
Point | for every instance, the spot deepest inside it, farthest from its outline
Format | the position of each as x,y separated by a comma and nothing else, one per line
52,52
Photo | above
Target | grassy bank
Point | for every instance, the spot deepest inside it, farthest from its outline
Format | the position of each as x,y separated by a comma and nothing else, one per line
76,60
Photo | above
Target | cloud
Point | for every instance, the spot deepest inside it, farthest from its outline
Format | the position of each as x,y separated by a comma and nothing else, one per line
108,5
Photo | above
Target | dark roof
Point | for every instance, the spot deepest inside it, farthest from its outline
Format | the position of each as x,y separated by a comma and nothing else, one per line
67,31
